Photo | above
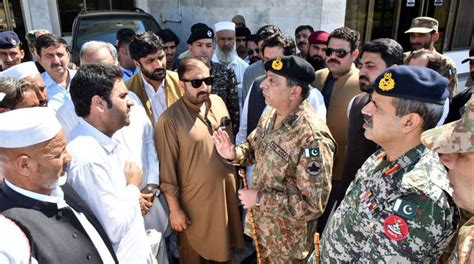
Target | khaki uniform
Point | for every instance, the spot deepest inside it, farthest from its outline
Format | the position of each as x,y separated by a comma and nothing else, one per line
293,164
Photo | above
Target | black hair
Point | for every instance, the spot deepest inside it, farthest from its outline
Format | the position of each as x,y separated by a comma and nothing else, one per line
390,50
49,40
167,35
347,34
303,27
90,80
124,36
281,40
143,44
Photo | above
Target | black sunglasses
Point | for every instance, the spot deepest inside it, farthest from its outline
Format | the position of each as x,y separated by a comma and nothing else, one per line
340,53
196,83
251,51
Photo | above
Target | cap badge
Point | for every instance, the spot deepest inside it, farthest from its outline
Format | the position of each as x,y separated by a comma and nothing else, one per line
277,64
387,83
13,42
209,33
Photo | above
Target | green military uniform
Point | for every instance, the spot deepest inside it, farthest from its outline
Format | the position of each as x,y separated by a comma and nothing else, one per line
398,211
293,164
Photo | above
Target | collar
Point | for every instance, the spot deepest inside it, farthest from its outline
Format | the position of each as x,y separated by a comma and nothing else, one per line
48,81
107,143
56,196
410,157
128,72
292,117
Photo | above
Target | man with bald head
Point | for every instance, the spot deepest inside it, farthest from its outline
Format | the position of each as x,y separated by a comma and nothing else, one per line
33,160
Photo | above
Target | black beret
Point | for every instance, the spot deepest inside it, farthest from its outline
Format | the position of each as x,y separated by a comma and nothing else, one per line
242,32
8,40
200,33
412,83
293,68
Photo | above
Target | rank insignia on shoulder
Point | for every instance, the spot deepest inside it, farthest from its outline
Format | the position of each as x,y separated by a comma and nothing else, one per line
405,209
312,152
395,227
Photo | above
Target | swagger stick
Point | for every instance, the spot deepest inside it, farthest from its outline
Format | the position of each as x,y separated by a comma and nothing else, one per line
317,256
243,174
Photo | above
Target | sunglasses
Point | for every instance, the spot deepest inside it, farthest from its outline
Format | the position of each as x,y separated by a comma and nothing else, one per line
340,53
251,52
196,83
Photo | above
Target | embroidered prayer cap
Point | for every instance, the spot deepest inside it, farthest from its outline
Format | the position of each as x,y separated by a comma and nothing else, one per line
412,83
423,25
21,70
318,37
293,68
201,32
14,244
27,126
471,56
8,40
454,137
225,25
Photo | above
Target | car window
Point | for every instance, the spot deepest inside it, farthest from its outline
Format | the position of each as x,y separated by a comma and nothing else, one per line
106,29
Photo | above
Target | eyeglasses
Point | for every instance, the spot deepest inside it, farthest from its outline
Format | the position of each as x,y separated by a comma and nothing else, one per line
250,52
340,53
196,83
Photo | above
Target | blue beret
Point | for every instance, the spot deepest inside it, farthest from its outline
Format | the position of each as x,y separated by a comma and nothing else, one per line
293,68
412,83
8,40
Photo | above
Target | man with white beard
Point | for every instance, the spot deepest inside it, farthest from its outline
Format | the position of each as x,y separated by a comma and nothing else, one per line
226,54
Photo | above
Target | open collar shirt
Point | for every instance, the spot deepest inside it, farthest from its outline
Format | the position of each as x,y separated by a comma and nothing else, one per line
57,94
157,98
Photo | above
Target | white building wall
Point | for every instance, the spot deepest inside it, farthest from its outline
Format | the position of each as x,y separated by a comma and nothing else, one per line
41,14
179,15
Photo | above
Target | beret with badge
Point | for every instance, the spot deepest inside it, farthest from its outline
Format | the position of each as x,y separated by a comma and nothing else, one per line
293,68
8,40
201,32
412,83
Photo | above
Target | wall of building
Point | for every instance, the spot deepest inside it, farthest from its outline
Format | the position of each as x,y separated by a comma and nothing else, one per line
41,14
179,15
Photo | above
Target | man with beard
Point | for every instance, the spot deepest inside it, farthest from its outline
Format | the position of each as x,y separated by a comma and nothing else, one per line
242,35
399,208
53,55
376,56
101,171
156,87
199,186
257,69
302,34
318,42
253,52
200,44
34,192
423,34
226,54
170,43
339,83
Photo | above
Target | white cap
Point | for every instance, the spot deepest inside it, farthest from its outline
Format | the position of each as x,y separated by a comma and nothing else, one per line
224,26
14,245
27,126
21,70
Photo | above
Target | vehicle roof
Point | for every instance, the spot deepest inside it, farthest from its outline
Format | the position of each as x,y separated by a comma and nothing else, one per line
111,13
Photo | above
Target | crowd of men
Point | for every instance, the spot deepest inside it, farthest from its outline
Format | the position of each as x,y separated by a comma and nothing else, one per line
132,155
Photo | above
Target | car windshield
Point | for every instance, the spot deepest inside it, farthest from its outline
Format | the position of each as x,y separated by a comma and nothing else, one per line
106,29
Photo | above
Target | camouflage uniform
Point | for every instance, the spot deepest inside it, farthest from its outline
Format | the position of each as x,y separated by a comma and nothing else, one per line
393,212
293,164
225,86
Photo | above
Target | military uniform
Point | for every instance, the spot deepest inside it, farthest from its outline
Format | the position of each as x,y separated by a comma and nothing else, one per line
225,86
393,211
293,164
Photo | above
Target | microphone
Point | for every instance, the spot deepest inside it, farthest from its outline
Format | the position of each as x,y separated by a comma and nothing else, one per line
225,121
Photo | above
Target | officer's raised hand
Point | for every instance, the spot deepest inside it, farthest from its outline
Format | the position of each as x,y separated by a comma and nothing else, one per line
224,145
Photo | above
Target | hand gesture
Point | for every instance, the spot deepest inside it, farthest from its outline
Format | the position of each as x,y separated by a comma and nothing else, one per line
224,146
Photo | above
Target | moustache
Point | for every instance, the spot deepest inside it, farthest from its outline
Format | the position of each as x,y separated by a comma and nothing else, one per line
334,61
365,78
317,58
368,120
159,71
202,93
302,43
55,65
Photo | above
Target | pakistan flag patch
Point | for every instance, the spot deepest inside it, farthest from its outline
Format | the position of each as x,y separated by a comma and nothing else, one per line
312,152
405,209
